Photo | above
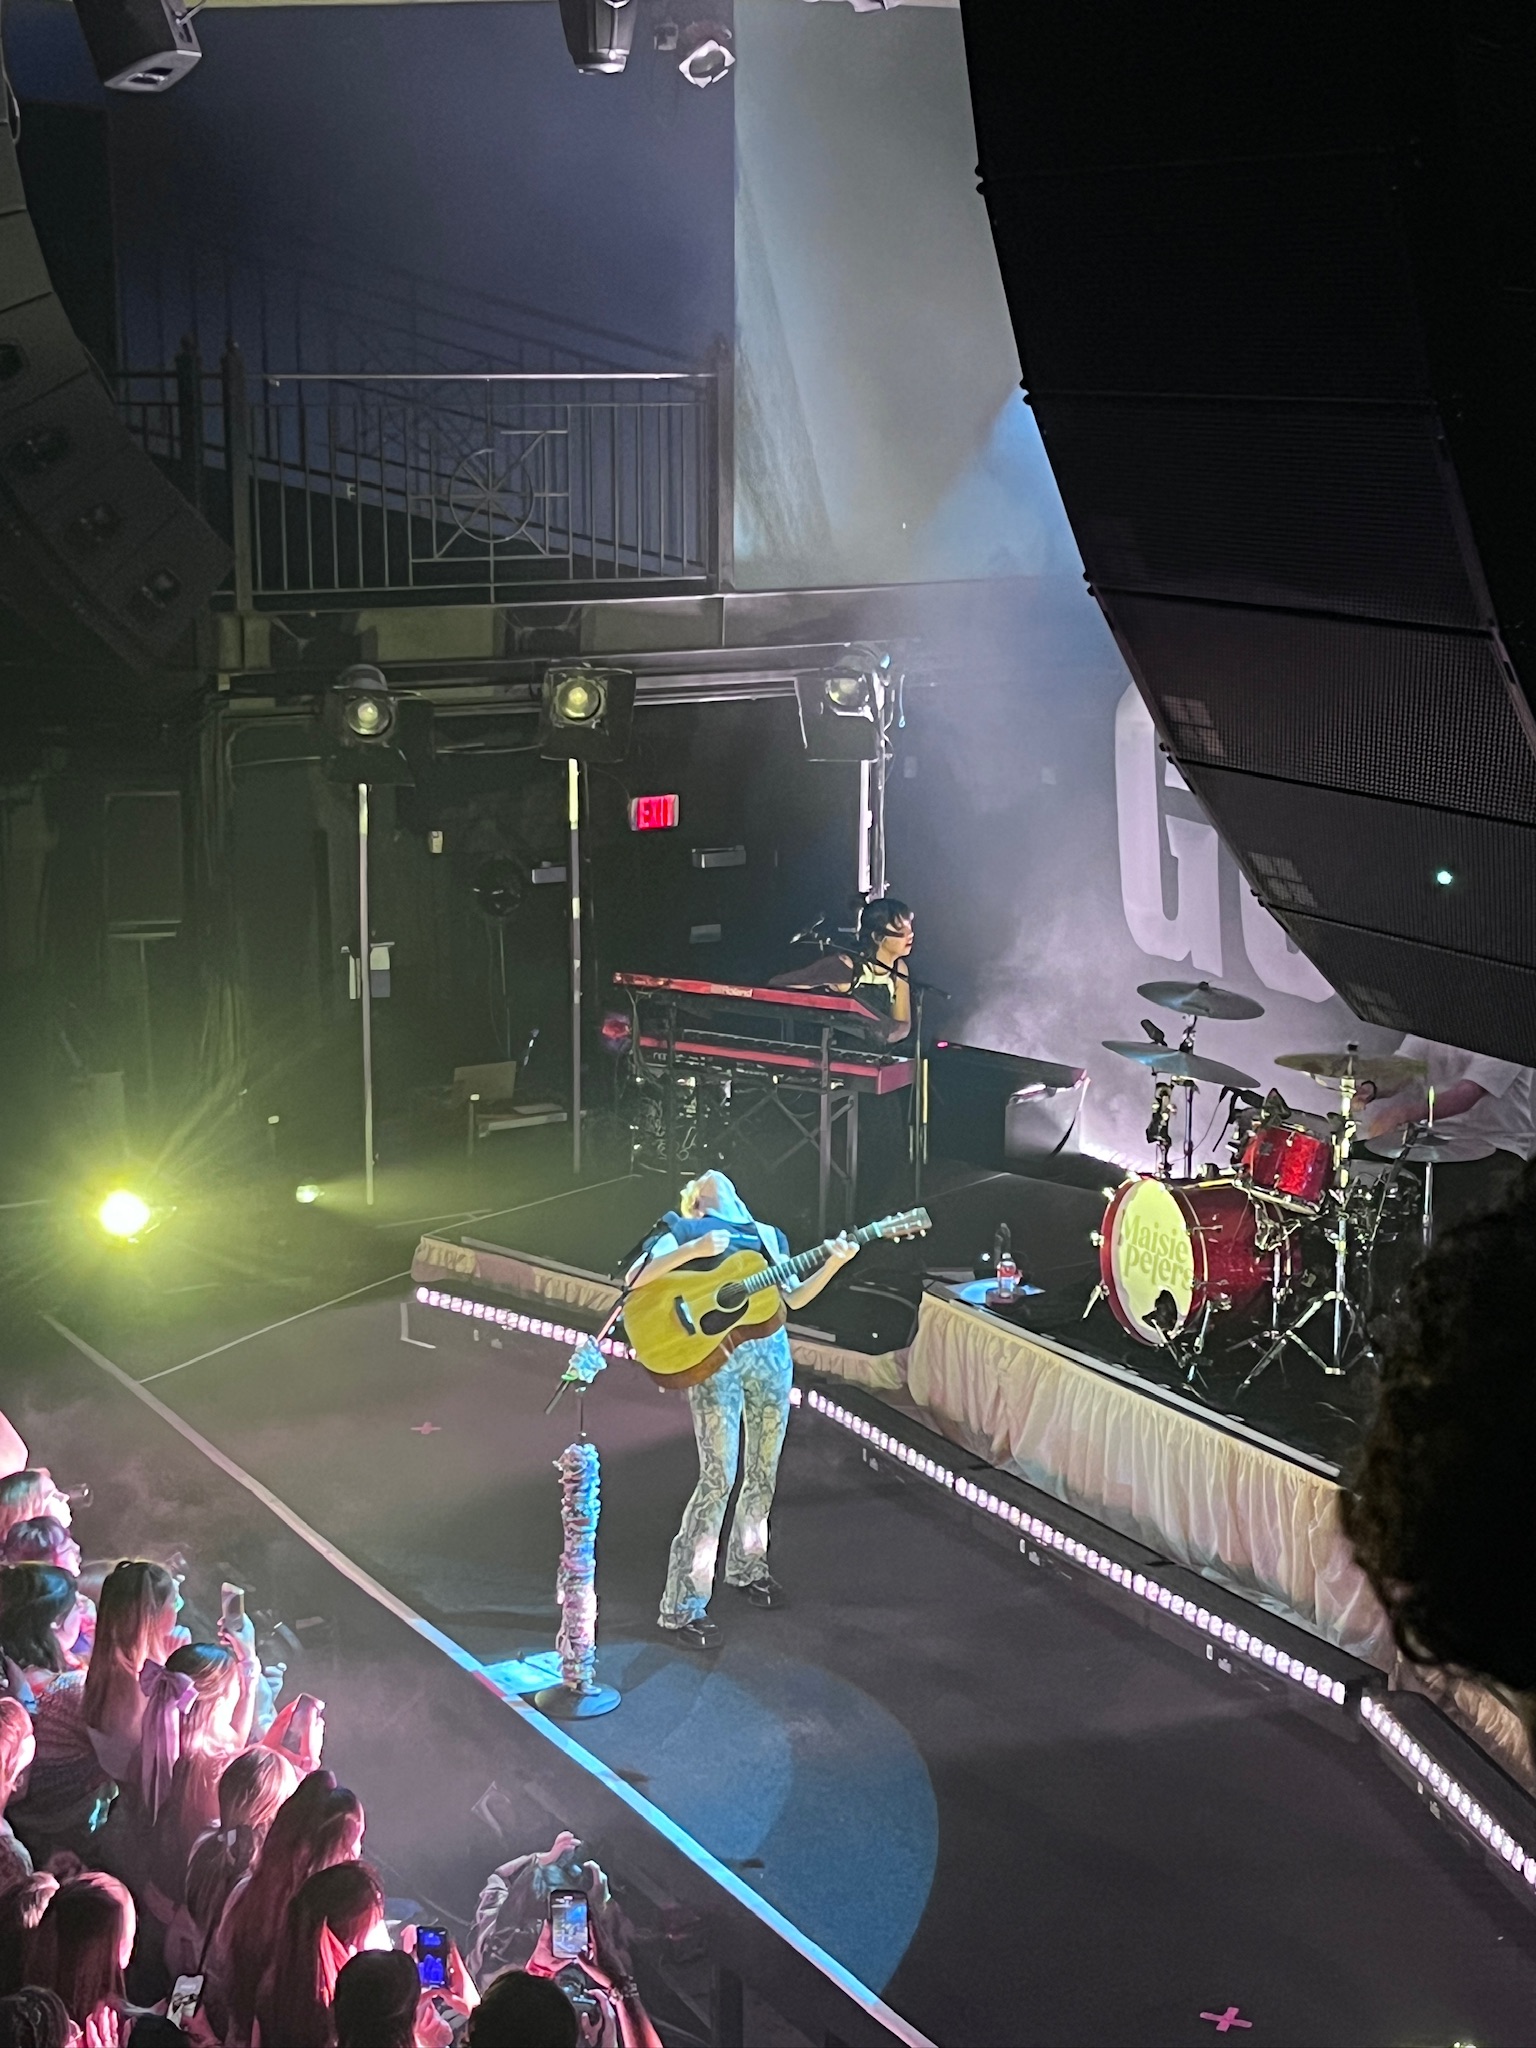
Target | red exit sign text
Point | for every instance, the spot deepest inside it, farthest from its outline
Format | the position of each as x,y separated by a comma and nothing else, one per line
652,813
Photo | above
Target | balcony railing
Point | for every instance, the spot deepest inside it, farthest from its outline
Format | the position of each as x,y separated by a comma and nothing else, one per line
460,487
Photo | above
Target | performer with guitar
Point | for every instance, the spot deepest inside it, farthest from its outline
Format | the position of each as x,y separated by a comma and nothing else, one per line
745,1395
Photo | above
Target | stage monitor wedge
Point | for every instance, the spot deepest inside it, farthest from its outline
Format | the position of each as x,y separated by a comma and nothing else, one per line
98,549
1270,278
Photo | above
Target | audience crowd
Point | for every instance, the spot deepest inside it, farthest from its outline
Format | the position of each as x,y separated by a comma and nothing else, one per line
176,1864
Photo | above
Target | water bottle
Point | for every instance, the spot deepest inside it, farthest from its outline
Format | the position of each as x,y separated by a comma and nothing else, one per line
1005,1270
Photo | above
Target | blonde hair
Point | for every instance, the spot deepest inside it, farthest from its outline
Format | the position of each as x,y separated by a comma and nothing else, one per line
730,1209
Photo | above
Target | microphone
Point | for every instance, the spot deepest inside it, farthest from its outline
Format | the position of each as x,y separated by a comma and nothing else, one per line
813,933
1152,1031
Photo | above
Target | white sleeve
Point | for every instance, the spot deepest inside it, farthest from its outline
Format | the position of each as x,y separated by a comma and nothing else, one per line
1494,1077
1449,1064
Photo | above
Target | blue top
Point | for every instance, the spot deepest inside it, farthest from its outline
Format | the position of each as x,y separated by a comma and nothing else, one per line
744,1236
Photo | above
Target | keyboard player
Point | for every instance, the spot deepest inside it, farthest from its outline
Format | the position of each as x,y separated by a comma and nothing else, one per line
872,970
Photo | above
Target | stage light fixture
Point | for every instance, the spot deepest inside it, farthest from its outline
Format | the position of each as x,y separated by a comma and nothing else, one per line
848,695
585,713
1444,877
842,710
598,33
306,1192
370,735
706,53
124,1214
363,705
577,700
369,717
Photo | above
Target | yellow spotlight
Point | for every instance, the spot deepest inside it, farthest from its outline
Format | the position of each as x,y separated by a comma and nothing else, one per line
306,1192
123,1213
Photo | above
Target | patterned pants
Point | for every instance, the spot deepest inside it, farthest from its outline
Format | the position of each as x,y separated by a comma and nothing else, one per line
750,1392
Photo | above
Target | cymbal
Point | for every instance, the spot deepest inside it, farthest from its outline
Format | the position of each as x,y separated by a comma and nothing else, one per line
1386,1072
1434,1148
1172,1063
1199,999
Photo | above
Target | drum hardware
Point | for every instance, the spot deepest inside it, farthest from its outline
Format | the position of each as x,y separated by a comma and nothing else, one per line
1177,1066
1174,1254
1344,1071
1160,1129
1424,1145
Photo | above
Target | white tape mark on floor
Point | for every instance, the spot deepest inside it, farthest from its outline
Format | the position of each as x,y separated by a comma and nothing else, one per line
267,1328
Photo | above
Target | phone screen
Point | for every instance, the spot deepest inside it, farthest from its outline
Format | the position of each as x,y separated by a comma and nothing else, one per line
568,1930
234,1606
298,1736
432,1956
186,1996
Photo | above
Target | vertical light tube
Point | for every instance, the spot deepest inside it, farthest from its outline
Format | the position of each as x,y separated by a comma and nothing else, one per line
365,987
866,878
573,872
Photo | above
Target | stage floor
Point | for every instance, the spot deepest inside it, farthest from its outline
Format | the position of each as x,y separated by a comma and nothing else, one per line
1014,1813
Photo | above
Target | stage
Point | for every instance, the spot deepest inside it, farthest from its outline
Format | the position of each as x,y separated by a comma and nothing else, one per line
992,1789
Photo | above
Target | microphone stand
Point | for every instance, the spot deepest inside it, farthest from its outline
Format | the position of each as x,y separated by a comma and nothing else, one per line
919,1117
579,1695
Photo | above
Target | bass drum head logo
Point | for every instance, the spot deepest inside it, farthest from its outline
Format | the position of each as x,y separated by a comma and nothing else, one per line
1148,1254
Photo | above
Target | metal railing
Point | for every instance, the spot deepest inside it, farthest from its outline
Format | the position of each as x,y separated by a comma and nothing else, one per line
472,487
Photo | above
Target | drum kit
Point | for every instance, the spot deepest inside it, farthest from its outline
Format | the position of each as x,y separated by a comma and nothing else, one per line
1288,1231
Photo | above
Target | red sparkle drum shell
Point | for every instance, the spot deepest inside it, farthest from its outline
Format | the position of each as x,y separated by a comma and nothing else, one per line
1195,1240
1287,1165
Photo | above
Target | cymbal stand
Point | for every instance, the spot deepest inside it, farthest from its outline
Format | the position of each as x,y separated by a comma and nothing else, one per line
1160,1129
1429,1173
1337,1297
1187,1044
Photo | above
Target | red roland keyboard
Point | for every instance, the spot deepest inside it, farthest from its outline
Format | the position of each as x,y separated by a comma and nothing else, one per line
750,1029
800,1004
871,1073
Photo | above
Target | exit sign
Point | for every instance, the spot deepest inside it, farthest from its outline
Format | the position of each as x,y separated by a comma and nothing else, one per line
652,813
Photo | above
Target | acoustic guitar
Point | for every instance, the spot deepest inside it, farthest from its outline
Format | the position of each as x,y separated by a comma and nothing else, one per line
685,1325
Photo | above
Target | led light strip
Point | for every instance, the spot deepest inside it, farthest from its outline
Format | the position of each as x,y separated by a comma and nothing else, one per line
1449,1790
1136,1583
513,1319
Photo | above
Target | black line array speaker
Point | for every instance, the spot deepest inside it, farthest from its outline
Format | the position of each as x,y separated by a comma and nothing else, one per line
1273,277
96,546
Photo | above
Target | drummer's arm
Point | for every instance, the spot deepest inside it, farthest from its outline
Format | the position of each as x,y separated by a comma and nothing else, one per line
1408,1106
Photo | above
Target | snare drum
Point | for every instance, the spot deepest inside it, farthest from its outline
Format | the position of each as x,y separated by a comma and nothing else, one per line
1287,1164
1170,1249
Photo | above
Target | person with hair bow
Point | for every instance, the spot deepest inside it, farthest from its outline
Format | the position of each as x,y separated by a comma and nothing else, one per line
198,1710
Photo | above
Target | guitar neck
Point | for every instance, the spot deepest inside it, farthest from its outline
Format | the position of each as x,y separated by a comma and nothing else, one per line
788,1271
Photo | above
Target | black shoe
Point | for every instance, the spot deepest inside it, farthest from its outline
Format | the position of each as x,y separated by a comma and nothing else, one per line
763,1592
702,1634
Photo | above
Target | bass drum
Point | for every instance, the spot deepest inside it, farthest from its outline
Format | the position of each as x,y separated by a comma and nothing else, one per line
1171,1249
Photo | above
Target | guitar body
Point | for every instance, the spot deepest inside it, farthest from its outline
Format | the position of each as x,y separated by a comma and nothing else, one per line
679,1329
